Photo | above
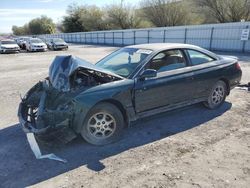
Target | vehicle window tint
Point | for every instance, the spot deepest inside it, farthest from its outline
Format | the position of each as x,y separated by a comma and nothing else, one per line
124,61
167,60
198,58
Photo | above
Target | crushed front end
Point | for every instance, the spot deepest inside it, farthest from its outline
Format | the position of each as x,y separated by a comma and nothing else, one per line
49,108
44,110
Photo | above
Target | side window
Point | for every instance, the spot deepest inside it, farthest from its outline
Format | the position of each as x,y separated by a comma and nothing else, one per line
167,60
198,58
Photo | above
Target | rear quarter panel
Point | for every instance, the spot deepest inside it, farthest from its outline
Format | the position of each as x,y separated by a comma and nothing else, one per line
206,75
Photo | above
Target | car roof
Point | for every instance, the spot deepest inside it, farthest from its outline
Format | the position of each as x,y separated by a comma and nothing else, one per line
162,46
167,46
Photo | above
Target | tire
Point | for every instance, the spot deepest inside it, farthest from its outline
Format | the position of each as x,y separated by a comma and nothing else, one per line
103,124
217,95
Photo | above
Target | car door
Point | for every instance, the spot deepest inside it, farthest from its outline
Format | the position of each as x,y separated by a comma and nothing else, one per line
172,85
205,72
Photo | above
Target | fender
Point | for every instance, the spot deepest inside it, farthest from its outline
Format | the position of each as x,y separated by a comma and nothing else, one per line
121,91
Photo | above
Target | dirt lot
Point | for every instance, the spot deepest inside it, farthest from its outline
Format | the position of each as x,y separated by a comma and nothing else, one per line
190,147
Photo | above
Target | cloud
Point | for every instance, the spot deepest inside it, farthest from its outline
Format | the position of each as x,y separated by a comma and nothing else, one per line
28,13
48,1
45,1
10,17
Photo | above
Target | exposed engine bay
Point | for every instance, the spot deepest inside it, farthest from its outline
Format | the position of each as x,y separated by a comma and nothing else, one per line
68,72
84,78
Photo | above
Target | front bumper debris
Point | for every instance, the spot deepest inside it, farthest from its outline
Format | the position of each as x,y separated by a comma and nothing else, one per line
37,152
37,114
45,112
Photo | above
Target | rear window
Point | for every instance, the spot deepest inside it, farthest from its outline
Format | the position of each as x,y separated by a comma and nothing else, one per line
198,58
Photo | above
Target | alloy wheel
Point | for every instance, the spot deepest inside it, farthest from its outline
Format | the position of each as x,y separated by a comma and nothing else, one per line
218,95
101,125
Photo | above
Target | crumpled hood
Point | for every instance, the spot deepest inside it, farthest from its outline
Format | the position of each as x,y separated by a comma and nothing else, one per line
62,68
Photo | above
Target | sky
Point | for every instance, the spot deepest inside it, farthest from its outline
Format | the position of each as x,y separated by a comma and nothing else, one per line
19,12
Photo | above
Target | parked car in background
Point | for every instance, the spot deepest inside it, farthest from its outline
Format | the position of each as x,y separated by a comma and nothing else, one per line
56,44
21,41
47,41
98,101
35,44
8,46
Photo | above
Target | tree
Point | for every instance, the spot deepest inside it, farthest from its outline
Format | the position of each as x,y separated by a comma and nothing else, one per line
225,10
122,16
23,30
42,25
165,12
83,18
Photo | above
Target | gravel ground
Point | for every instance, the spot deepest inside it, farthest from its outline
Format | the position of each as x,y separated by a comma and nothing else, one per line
189,147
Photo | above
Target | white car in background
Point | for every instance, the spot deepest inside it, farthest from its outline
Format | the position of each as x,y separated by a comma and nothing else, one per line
35,44
8,46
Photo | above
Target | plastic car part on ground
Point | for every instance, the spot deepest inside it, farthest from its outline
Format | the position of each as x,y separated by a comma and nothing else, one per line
245,87
37,152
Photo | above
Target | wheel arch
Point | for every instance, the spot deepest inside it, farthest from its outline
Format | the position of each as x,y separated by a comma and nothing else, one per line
226,81
119,105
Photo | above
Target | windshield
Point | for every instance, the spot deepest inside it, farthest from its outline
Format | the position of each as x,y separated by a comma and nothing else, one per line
58,40
124,61
36,41
8,42
25,39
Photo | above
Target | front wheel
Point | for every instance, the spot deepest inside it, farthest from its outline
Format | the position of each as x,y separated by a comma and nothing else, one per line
217,95
103,124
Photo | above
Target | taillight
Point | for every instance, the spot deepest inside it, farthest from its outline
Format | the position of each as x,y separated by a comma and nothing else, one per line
237,66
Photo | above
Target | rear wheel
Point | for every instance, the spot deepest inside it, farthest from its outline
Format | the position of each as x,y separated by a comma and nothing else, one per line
217,95
103,124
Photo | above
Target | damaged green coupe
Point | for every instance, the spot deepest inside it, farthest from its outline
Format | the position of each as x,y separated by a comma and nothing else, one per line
99,101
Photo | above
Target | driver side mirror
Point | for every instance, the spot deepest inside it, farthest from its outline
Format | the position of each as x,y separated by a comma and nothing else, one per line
148,73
